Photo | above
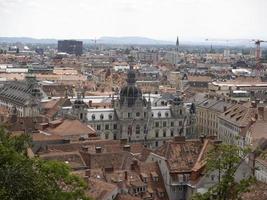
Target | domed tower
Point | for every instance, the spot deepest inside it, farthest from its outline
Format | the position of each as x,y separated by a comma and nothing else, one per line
132,111
130,94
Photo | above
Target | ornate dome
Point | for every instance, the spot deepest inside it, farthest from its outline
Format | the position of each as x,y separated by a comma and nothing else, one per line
130,93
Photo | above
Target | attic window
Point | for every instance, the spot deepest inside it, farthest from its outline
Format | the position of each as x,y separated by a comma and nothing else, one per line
238,118
93,117
155,176
166,114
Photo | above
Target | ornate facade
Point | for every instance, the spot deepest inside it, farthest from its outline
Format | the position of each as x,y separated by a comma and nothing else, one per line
22,96
133,117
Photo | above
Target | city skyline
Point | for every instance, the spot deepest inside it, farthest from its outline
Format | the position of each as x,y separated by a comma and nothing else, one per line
163,20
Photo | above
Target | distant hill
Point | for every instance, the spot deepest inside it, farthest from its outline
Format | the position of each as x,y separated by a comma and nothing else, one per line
133,40
102,40
27,40
138,41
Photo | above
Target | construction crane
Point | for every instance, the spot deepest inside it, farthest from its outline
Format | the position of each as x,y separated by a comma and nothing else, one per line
258,52
94,41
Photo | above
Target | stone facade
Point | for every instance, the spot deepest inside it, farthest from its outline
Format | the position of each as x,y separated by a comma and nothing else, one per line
133,117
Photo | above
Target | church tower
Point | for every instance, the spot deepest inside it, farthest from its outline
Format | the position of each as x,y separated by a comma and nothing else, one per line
79,108
177,44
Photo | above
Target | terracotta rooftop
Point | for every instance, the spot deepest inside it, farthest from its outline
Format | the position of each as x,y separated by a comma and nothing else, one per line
240,115
73,159
45,137
183,156
100,189
199,78
71,127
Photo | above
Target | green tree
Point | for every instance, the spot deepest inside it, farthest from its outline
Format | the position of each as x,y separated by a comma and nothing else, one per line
33,178
225,159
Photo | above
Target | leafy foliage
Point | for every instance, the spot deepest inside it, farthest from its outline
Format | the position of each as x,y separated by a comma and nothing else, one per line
34,179
226,159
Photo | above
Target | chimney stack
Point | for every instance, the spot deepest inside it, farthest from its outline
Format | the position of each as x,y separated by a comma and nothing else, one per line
98,149
127,147
125,175
85,148
88,173
202,138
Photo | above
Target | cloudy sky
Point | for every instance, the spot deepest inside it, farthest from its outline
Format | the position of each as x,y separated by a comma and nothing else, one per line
159,19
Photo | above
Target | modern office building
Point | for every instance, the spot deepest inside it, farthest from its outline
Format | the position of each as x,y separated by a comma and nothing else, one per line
70,47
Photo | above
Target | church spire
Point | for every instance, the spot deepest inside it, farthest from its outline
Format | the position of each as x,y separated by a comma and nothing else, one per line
177,44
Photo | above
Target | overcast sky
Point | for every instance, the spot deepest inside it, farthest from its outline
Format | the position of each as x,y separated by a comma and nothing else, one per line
159,19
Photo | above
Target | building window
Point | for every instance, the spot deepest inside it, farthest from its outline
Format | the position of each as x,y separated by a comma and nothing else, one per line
172,124
144,114
164,124
107,126
98,127
164,133
110,116
157,124
101,116
115,126
93,117
137,114
166,114
156,133
129,115
172,133
159,114
106,136
181,112
137,129
156,143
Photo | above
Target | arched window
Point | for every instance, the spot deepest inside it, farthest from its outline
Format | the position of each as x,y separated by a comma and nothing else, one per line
93,117
137,129
166,114
101,116
159,114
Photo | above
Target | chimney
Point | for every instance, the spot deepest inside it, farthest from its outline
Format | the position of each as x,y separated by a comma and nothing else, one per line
125,175
179,138
253,104
88,173
98,149
127,147
123,141
43,126
202,138
85,148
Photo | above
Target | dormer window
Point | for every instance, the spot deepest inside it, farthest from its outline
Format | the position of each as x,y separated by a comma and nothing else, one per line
166,114
93,117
